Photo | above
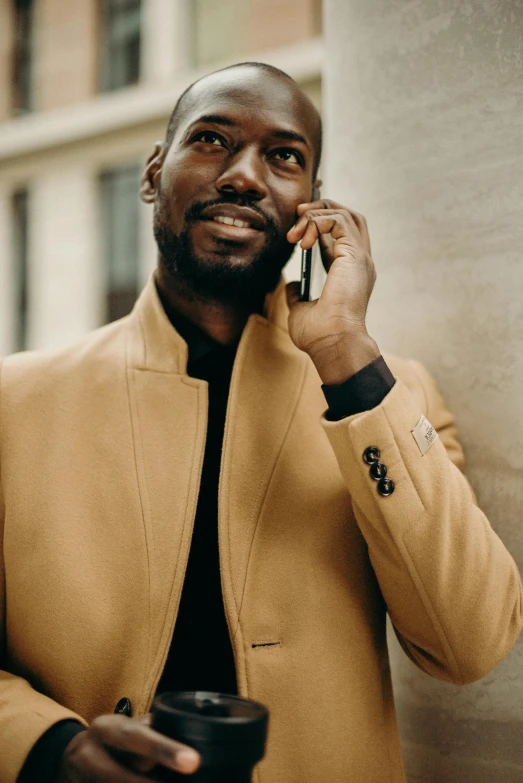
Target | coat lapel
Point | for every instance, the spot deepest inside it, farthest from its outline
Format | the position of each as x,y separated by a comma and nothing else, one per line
169,416
268,375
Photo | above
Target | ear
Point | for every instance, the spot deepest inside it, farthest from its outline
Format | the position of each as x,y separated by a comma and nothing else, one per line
151,173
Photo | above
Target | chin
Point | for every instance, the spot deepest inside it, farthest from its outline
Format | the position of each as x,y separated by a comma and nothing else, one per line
221,272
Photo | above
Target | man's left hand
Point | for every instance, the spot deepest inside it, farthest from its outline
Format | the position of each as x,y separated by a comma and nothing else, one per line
332,329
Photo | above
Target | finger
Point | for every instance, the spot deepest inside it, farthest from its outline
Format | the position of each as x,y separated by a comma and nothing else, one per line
310,235
134,736
363,228
93,762
349,218
335,225
139,763
322,203
296,232
326,242
327,205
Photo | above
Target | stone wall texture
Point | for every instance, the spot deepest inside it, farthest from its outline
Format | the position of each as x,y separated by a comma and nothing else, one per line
424,135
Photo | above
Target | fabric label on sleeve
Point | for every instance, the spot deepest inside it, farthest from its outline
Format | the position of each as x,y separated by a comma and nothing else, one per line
424,434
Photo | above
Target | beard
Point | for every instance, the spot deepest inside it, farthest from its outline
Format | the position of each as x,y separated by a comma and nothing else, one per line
220,278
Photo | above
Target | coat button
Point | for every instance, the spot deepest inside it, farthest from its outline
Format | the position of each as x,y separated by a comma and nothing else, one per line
378,471
123,707
371,455
386,487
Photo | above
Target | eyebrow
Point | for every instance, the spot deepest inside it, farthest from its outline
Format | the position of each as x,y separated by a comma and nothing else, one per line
290,136
218,119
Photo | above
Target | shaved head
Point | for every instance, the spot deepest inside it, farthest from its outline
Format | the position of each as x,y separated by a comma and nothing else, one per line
188,96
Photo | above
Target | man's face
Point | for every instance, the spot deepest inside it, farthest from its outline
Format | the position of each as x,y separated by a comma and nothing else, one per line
244,151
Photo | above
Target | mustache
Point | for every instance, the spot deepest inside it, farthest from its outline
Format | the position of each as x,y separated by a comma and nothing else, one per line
195,211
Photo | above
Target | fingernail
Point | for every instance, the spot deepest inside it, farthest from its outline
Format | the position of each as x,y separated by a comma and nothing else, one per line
188,760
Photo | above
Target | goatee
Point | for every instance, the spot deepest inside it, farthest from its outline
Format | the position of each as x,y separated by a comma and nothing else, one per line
221,280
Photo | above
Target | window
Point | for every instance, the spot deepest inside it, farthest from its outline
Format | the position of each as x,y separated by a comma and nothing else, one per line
120,239
21,243
121,21
22,65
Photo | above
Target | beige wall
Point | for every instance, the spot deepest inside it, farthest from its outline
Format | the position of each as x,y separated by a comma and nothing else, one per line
425,136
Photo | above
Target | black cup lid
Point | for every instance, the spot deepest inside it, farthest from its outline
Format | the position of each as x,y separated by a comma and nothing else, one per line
203,717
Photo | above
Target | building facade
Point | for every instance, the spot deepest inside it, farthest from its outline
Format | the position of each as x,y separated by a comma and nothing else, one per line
86,88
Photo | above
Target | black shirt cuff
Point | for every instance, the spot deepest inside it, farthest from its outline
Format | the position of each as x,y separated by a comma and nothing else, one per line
43,761
361,392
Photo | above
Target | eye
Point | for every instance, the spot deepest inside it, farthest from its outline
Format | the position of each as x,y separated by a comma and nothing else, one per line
209,137
288,156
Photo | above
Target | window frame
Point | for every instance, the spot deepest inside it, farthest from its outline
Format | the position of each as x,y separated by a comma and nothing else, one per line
123,231
114,71
22,97
20,208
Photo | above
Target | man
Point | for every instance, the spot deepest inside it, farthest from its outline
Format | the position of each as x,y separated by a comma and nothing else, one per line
307,528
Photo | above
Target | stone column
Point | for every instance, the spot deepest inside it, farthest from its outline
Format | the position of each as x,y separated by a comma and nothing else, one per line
424,116
65,289
166,46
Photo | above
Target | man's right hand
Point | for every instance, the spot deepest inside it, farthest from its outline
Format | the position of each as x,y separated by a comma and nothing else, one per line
118,749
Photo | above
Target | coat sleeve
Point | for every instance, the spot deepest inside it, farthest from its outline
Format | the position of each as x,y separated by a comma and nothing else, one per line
452,590
25,714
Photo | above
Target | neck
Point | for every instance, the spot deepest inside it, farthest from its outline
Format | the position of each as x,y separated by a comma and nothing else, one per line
224,322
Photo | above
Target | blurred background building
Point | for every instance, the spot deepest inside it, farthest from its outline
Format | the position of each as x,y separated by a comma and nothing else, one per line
86,88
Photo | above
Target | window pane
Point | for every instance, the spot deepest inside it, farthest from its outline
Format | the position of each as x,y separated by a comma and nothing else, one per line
22,54
21,243
120,236
121,33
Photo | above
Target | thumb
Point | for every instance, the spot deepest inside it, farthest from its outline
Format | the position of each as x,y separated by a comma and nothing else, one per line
293,294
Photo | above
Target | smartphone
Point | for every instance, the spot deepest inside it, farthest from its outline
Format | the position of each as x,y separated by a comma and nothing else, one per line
306,263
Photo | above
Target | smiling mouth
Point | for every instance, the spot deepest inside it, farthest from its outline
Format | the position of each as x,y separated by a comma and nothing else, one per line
228,221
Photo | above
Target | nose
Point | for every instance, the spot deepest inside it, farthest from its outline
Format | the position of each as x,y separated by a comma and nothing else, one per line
244,175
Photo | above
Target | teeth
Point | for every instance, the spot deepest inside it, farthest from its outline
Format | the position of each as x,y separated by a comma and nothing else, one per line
231,222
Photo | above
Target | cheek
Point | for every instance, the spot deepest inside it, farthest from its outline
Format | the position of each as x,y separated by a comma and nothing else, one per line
183,181
174,195
187,173
286,198
287,212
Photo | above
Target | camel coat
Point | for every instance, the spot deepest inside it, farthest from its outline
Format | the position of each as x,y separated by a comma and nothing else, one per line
101,448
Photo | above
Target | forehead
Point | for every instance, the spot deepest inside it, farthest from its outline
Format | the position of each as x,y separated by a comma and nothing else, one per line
254,96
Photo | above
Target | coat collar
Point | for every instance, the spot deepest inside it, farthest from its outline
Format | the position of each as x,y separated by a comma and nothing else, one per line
157,346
